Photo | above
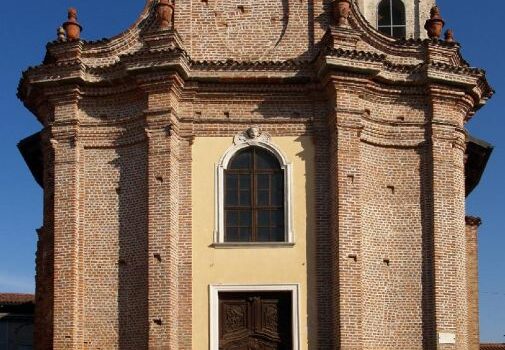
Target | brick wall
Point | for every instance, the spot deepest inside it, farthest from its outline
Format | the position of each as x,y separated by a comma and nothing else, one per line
472,252
394,263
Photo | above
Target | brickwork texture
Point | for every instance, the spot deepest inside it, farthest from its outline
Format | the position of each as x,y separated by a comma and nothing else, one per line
395,265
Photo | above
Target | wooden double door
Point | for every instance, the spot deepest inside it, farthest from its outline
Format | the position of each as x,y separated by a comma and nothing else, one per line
255,321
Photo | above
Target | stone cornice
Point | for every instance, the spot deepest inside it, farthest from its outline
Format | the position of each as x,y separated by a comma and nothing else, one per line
178,59
111,66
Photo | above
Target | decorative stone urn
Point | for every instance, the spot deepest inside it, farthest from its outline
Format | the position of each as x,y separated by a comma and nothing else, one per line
449,36
62,35
72,27
435,24
341,11
165,13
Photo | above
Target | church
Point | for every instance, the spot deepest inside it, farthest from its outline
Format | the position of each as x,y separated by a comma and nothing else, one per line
267,175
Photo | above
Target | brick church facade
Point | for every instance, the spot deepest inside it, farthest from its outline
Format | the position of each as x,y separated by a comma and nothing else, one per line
270,174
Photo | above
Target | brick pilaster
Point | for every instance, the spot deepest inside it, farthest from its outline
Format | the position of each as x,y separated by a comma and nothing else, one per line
472,253
446,142
163,209
345,213
67,328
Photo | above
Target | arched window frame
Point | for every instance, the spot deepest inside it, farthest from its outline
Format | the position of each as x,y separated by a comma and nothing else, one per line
253,138
392,25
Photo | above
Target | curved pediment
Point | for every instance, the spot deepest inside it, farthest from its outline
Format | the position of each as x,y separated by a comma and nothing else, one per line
258,30
355,48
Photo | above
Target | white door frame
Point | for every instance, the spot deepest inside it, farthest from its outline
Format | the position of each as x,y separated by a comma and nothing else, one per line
214,290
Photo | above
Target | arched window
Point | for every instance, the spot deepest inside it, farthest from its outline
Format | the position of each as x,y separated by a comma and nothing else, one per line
254,197
253,193
391,18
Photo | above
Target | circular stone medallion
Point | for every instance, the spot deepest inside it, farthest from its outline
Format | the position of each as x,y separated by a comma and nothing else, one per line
250,29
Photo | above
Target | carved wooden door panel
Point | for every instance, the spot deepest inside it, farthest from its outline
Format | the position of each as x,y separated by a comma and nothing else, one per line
255,321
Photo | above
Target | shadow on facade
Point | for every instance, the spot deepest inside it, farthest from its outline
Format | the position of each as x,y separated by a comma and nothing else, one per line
133,324
428,263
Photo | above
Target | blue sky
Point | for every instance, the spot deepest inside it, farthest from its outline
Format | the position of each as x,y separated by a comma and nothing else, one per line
26,27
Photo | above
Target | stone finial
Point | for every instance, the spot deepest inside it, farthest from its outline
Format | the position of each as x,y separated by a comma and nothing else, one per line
341,11
435,24
71,26
62,35
449,36
165,13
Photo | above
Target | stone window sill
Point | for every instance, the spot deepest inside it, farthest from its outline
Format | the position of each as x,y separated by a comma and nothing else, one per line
242,245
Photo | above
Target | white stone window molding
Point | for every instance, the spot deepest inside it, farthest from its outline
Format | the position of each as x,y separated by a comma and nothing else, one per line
215,289
253,137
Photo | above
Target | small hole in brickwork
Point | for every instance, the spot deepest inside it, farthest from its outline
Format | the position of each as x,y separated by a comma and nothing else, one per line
158,321
392,189
386,261
351,178
227,114
241,8
353,257
168,130
367,112
159,179
402,119
157,257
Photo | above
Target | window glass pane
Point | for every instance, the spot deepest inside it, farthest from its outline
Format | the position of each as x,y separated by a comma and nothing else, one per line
245,198
263,181
254,197
231,181
231,198
245,182
262,197
398,13
263,218
384,13
232,234
231,218
242,160
399,32
278,189
245,234
245,218
266,160
277,234
264,234
278,218
385,30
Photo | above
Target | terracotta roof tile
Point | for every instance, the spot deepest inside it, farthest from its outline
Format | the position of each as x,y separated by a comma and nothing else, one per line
492,346
16,298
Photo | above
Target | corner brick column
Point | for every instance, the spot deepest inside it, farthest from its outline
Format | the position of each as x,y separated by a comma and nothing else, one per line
472,230
446,140
43,335
163,211
346,215
67,328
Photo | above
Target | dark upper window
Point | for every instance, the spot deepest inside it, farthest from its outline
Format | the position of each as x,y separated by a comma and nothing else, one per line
254,197
391,18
